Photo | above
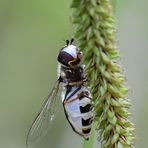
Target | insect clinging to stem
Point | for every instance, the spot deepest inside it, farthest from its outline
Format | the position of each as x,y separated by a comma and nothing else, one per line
76,97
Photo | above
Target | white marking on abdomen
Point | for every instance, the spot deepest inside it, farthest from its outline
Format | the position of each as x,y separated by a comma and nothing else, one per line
74,114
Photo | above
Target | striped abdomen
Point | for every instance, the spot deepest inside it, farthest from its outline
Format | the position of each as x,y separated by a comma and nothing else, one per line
78,110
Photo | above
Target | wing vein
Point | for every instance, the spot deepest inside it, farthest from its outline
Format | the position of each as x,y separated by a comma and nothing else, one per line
45,115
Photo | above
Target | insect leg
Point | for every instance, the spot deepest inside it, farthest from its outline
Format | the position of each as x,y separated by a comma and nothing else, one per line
79,96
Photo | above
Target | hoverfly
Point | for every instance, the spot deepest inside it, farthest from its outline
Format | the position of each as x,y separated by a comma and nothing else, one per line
76,97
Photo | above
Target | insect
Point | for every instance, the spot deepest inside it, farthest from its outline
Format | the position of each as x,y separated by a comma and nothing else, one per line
76,97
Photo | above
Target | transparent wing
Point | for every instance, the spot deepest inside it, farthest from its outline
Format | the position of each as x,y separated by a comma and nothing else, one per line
41,123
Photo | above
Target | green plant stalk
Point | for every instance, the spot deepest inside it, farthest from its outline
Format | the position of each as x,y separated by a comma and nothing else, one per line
95,31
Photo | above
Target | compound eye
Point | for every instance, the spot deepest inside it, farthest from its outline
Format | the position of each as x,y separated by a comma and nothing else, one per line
64,58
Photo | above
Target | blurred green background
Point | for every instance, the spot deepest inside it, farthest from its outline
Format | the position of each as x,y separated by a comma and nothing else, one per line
31,33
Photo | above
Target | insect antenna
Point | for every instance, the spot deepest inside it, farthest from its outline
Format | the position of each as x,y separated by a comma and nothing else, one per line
72,40
67,42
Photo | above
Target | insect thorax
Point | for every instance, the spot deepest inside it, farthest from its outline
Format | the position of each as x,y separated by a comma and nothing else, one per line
72,74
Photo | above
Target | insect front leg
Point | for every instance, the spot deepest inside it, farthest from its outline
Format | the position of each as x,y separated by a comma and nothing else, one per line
84,94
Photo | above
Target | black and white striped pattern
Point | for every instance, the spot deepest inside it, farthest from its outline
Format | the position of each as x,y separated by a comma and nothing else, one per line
79,112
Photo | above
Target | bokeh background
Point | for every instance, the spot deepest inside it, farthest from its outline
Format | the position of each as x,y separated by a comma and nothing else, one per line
31,34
